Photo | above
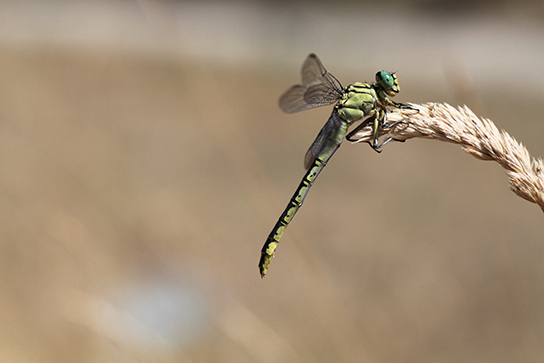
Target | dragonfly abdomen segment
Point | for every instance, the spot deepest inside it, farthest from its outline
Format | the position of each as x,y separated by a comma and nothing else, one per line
292,208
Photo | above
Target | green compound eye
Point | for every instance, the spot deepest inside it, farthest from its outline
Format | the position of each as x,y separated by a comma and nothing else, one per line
385,79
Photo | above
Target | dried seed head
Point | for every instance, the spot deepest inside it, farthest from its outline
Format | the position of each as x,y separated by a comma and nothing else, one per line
477,136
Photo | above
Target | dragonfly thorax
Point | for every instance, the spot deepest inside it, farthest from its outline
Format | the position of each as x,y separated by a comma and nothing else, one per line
359,100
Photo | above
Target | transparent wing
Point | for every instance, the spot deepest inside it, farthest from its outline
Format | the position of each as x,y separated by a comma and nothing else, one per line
293,100
320,141
313,70
318,88
322,94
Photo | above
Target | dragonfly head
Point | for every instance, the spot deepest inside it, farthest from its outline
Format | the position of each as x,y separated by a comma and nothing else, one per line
388,82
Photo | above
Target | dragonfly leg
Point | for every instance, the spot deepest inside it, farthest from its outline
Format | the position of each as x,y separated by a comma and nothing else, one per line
393,124
391,138
401,105
379,122
383,125
375,148
359,127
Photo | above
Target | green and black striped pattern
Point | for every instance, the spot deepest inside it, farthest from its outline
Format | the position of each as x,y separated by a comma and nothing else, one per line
356,102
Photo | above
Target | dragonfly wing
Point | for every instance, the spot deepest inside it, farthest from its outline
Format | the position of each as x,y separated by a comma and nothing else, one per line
312,69
293,100
321,94
318,88
320,141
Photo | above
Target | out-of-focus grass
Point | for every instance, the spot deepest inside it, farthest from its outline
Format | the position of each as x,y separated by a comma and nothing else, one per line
119,171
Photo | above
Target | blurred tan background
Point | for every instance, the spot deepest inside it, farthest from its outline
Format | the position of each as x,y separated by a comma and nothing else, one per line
144,161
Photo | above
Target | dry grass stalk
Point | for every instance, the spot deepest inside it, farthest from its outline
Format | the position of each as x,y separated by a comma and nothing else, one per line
477,136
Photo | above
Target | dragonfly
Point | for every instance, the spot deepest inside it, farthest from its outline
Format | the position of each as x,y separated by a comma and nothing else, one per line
356,102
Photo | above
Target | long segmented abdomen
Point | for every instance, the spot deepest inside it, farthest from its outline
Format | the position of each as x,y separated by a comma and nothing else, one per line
294,205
